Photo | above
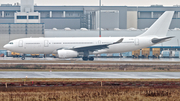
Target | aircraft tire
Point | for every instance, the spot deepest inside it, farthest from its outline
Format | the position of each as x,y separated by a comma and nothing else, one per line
23,58
91,58
85,58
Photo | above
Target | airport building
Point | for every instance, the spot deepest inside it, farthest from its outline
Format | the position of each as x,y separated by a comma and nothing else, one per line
76,17
25,19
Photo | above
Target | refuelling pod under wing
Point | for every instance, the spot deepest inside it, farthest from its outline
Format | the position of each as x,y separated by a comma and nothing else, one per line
67,53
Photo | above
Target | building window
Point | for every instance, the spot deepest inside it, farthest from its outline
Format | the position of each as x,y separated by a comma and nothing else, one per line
33,17
21,17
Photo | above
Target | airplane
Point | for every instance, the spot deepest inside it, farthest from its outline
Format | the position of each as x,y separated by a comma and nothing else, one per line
70,47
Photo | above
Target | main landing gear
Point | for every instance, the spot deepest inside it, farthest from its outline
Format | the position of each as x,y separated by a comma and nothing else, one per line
23,57
88,58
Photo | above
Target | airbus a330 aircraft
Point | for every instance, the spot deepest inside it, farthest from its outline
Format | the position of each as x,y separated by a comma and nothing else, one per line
72,47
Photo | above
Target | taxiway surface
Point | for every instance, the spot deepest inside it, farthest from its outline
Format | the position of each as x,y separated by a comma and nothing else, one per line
133,75
97,59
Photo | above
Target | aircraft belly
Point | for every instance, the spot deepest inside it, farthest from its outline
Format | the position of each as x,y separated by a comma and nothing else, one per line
33,49
119,48
48,50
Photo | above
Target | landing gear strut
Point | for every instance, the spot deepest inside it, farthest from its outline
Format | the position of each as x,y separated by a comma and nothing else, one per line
86,56
23,57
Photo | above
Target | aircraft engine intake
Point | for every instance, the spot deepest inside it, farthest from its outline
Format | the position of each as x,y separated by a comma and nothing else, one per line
67,53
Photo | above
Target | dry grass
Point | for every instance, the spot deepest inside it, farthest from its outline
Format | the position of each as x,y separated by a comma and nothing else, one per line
83,79
160,92
94,93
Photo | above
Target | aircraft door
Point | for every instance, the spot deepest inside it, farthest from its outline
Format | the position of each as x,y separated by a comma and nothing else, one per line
46,43
99,42
20,43
136,41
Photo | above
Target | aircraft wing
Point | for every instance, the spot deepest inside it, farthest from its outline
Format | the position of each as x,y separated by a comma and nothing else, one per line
95,47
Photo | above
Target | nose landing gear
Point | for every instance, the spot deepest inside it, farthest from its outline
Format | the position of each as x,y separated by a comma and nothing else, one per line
23,57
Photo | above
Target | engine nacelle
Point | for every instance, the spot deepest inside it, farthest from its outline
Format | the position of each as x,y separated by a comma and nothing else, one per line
67,53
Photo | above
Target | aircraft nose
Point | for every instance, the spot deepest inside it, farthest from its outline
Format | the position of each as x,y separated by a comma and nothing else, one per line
5,46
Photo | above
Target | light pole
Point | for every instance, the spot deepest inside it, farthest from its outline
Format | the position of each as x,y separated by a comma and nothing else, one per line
99,18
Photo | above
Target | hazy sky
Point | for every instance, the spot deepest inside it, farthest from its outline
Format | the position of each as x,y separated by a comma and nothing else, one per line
104,2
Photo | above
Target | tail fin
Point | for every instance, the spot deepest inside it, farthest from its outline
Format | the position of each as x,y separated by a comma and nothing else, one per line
161,26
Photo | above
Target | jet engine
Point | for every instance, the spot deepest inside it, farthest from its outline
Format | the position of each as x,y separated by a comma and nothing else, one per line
67,53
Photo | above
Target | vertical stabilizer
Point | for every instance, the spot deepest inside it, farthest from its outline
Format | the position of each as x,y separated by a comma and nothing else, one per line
161,26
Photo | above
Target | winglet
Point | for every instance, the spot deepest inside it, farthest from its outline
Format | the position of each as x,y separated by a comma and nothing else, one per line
119,41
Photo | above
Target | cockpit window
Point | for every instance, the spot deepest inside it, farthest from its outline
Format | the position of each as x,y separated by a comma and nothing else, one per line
10,42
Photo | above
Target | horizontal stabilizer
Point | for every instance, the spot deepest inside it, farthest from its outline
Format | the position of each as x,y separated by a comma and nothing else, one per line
157,40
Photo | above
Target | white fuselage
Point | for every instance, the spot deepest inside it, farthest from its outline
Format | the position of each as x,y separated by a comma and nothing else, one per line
71,47
51,45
